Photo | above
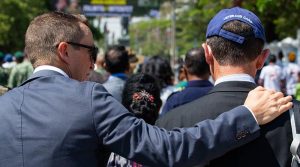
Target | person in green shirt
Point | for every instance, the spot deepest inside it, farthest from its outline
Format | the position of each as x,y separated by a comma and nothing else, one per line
3,72
297,94
20,72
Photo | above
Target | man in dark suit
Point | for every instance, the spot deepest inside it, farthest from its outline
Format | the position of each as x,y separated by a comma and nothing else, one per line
196,71
234,51
55,118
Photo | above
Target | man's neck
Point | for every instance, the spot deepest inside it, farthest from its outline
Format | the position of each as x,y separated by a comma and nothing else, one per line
222,71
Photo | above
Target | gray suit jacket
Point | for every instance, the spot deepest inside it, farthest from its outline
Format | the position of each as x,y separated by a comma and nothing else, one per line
52,120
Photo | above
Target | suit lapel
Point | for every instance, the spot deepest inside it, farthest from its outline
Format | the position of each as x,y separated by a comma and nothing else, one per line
233,86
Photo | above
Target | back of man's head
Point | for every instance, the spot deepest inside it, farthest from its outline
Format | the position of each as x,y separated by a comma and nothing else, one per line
236,36
272,59
46,31
116,59
195,62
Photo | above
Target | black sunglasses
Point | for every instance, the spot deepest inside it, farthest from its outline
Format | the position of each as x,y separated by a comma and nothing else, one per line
93,50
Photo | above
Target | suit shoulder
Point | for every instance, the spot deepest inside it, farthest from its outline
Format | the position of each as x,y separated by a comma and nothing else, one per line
184,115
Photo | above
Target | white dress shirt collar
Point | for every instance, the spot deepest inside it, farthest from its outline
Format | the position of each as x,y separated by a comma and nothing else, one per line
235,77
52,68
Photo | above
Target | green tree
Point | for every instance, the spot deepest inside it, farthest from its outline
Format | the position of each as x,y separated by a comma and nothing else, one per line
191,24
279,17
15,16
153,37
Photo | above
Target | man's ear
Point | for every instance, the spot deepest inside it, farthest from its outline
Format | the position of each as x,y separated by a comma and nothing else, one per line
262,58
63,53
104,65
208,54
185,71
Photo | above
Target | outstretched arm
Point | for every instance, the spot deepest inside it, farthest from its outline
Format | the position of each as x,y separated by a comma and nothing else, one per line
134,139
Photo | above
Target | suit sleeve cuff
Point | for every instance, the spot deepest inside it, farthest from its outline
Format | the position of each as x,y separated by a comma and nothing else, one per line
251,113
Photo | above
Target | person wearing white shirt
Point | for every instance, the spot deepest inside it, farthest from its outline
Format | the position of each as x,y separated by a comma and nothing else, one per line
291,71
272,76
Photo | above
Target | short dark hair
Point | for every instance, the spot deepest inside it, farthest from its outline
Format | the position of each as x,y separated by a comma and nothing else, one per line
116,59
272,59
160,68
280,55
227,52
195,62
46,31
143,107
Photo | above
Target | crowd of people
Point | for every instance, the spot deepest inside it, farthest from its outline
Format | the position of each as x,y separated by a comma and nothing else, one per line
83,109
14,69
281,76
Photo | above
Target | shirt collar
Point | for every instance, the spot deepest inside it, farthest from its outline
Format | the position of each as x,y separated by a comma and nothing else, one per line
122,76
235,77
52,68
199,83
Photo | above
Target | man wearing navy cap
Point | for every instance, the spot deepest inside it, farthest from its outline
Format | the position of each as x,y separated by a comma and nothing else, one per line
234,52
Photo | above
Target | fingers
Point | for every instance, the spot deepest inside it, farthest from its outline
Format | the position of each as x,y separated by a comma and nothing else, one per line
267,105
284,100
285,104
277,107
259,88
276,95
274,113
285,107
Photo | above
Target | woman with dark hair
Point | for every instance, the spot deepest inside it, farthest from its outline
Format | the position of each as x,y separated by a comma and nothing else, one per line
160,68
141,96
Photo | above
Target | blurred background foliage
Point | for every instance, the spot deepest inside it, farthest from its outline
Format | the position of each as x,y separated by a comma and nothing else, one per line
15,16
152,36
279,17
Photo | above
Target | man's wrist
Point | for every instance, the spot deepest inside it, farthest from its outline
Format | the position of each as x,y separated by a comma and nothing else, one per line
251,113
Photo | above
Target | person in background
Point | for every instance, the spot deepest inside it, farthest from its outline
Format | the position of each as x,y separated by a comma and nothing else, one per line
196,71
21,71
74,7
272,76
99,66
141,96
57,118
99,74
4,73
9,62
297,94
134,61
279,61
291,74
160,68
116,62
181,77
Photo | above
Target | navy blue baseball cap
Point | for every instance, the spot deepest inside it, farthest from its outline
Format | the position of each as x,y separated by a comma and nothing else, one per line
214,27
